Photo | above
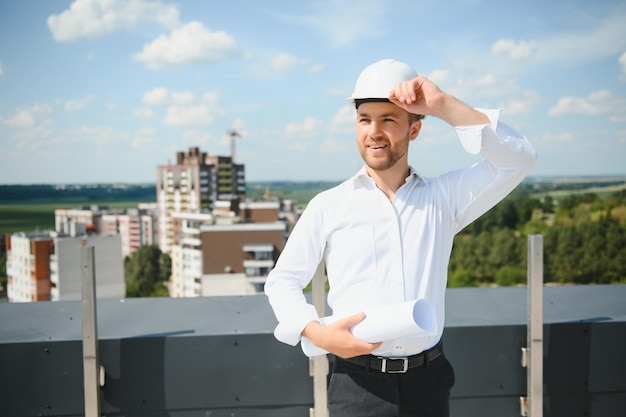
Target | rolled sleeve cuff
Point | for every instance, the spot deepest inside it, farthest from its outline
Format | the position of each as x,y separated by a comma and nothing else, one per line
291,332
471,136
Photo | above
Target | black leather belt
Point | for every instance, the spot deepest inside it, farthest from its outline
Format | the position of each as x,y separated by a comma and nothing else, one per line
397,365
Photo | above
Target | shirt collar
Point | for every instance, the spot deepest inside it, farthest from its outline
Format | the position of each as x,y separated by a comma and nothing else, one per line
362,178
413,175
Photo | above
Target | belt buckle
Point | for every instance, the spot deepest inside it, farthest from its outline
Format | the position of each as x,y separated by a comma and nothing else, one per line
405,365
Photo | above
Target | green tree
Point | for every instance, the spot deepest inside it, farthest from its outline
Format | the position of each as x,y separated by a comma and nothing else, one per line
146,272
584,241
3,271
462,278
166,267
510,275
616,253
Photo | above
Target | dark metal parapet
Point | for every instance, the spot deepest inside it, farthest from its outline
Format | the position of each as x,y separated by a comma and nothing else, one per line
217,356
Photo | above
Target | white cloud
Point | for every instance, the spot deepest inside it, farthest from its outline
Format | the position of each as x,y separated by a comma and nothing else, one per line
439,76
156,96
483,87
96,18
101,135
522,103
621,61
485,80
306,128
239,125
197,137
27,117
597,103
332,145
143,138
344,120
557,137
573,105
514,49
143,113
285,61
316,68
605,39
190,115
346,22
210,97
23,118
31,138
191,43
182,107
75,105
182,97
1,69
618,117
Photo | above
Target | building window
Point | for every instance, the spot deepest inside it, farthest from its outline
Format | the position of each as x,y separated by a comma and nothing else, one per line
262,256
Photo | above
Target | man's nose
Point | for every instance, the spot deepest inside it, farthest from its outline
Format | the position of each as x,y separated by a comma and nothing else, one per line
375,130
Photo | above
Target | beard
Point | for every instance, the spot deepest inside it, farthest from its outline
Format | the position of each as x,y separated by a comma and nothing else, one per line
386,159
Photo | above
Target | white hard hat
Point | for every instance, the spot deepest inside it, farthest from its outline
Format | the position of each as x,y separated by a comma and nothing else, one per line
377,80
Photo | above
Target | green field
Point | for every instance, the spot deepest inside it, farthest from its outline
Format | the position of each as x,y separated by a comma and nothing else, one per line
22,215
40,216
599,191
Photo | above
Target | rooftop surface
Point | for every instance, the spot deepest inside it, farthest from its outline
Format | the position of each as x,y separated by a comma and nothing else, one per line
251,314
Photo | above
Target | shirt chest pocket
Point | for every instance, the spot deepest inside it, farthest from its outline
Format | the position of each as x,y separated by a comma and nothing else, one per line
352,252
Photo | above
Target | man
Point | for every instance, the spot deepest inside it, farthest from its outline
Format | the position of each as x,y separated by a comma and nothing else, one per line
385,236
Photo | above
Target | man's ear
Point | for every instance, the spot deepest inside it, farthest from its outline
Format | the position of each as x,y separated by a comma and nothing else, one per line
416,126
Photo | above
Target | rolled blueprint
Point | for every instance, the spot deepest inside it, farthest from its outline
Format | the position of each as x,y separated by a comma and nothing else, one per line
382,323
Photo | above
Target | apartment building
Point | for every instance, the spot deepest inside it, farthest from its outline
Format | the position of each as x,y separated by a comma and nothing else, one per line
136,227
226,253
193,185
46,266
90,216
28,266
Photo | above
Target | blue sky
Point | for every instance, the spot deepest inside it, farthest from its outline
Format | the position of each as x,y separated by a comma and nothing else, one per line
105,91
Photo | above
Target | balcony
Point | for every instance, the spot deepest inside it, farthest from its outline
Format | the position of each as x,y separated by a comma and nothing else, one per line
54,278
258,263
190,242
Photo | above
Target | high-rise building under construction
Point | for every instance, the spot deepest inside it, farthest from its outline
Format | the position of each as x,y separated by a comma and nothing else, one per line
193,185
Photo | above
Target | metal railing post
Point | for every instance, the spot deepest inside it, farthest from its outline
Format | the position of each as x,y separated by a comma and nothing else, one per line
91,369
532,355
318,365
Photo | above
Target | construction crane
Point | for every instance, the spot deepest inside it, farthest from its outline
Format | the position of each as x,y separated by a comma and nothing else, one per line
233,136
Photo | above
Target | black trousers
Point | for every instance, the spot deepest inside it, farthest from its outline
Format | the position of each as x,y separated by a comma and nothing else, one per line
423,391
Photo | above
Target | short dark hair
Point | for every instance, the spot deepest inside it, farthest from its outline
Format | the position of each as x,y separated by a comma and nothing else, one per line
415,117
412,116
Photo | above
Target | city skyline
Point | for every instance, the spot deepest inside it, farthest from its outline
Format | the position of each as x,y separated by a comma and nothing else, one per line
98,91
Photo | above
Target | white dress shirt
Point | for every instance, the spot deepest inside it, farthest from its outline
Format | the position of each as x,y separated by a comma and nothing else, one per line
379,252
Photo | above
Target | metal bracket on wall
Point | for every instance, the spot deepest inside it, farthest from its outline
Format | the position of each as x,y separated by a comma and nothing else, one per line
524,360
102,375
523,401
523,406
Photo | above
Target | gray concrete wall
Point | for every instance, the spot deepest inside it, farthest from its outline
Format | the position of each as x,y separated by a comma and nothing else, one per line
217,356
